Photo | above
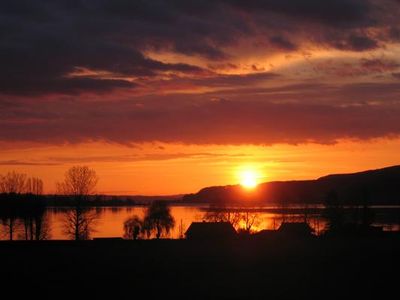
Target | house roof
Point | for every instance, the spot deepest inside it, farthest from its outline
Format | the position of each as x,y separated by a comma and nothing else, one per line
295,228
210,229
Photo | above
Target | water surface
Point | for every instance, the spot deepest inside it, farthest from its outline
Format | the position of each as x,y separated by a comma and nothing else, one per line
110,219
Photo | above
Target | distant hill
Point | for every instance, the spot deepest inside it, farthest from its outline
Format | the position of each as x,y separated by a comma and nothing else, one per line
378,187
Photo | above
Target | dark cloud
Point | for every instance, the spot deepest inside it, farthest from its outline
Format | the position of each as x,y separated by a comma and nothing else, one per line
332,12
263,118
396,75
282,43
45,68
44,40
67,49
233,80
307,93
356,68
379,65
356,43
39,85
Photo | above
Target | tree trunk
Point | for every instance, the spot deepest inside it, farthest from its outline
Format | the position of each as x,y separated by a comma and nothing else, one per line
31,228
26,229
158,232
77,214
11,225
38,228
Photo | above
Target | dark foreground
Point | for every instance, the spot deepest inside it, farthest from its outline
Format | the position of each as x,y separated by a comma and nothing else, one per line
243,269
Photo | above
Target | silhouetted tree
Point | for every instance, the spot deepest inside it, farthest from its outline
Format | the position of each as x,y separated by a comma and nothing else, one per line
334,211
367,215
8,214
181,230
33,214
243,220
249,219
12,186
158,219
34,186
42,230
304,201
133,227
13,183
361,213
22,203
283,198
223,214
79,183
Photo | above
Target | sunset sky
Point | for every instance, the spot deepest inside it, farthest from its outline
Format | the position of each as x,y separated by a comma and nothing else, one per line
167,97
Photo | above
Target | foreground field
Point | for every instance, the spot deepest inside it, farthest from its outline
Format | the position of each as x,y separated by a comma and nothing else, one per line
240,269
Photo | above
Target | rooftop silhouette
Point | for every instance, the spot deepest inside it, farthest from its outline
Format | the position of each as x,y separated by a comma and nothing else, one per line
210,230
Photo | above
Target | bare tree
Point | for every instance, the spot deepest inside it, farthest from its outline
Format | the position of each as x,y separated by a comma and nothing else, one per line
34,186
22,203
334,211
250,219
34,216
222,214
79,183
12,185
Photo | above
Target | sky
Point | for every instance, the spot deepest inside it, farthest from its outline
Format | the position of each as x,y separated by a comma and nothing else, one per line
167,97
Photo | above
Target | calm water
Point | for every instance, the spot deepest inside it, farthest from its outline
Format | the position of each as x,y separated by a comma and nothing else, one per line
110,220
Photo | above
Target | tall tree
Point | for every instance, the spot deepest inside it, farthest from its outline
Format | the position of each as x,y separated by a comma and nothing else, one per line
158,219
79,183
34,213
334,211
13,183
133,227
12,186
34,186
250,219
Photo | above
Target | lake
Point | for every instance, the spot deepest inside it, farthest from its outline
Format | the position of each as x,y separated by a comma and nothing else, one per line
110,220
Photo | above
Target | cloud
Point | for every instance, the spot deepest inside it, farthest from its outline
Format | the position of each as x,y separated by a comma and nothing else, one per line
25,163
282,43
262,118
396,75
43,41
356,43
133,71
332,12
233,80
62,160
44,69
357,68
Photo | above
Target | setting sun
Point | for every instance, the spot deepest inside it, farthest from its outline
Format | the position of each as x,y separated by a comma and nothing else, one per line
249,178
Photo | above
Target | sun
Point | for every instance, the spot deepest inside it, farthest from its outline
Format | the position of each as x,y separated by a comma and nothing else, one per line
249,178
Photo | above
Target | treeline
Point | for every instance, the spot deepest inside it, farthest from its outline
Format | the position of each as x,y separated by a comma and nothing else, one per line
22,206
92,200
345,218
57,200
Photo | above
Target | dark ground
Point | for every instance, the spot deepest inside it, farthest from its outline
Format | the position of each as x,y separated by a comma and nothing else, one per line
357,268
